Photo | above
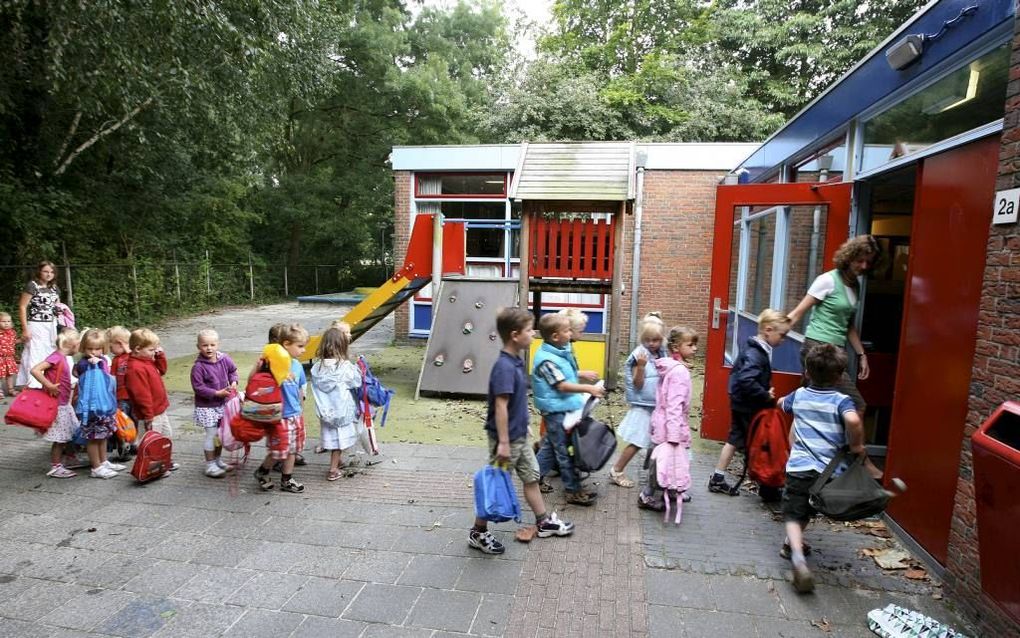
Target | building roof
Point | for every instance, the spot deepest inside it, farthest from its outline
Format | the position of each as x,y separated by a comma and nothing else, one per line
586,171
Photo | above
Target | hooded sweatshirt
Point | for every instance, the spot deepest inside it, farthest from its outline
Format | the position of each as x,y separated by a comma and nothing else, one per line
672,404
209,377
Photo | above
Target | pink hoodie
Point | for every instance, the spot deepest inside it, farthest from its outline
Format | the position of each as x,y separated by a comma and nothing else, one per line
672,403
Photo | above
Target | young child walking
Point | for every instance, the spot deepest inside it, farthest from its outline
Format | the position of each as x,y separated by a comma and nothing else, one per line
118,339
506,424
96,428
824,420
8,362
642,384
751,390
292,339
669,422
333,379
144,380
214,380
54,375
557,391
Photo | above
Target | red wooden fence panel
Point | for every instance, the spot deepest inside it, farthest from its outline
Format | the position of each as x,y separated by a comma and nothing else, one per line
571,248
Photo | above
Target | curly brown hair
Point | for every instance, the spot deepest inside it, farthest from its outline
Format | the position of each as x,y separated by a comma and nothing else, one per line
855,248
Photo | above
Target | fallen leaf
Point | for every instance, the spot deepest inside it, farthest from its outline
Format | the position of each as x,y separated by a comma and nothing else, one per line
91,529
822,624
937,595
892,558
870,551
916,573
433,526
880,532
169,613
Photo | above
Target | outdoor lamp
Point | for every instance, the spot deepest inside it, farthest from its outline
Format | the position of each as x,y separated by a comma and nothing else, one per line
907,50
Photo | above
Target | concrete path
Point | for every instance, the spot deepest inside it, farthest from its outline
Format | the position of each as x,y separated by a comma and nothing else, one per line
383,553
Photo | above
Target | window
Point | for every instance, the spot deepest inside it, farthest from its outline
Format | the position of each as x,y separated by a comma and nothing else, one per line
761,244
460,185
805,258
967,98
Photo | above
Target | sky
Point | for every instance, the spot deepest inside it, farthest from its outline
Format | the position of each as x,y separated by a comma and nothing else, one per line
538,11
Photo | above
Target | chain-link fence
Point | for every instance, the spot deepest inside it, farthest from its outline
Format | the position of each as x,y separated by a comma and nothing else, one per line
142,291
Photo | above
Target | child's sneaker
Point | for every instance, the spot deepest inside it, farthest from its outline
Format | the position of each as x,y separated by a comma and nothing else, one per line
116,467
290,485
75,462
264,480
226,467
214,470
174,466
719,485
581,498
553,526
103,472
59,471
486,542
803,580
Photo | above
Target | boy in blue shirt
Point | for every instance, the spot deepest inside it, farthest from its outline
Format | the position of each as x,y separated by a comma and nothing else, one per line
507,426
557,391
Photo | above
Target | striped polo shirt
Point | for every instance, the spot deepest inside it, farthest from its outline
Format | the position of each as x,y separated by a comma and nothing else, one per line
817,426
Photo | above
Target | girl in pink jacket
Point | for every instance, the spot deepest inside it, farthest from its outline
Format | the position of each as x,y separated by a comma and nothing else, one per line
671,433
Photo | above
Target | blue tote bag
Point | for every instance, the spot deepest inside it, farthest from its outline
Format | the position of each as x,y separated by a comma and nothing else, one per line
495,497
97,394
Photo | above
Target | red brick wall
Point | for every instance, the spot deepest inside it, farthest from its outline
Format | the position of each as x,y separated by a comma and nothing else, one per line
994,373
401,236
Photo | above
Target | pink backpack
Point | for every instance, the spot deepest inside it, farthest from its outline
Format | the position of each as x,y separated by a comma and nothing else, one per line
672,473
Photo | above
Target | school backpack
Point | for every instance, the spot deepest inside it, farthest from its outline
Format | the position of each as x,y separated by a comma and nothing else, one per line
592,442
671,467
767,451
245,431
372,393
97,394
153,460
263,399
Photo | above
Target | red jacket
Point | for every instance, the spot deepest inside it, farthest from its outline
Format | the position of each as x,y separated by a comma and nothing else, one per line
145,388
120,366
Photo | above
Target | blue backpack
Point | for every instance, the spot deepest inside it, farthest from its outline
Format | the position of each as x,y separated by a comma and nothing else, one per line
495,497
372,392
97,394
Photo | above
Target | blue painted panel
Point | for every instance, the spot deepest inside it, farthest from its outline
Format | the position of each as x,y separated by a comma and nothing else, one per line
422,316
785,357
875,80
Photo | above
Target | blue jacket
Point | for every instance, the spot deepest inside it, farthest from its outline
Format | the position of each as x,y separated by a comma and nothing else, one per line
751,378
548,399
645,397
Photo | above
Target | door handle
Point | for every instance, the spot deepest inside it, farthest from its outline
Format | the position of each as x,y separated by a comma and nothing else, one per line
717,311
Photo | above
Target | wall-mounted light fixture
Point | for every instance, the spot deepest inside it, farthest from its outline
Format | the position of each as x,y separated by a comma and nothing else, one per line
908,49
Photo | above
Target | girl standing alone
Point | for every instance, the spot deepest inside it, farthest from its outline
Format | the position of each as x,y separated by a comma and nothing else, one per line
333,379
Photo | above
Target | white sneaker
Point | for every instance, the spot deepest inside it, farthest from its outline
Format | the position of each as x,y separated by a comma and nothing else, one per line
116,467
103,472
214,470
174,466
223,465
59,471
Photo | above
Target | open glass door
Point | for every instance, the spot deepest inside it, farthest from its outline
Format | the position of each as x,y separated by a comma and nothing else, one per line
771,240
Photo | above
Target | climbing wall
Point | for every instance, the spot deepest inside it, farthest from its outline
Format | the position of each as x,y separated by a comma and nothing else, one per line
463,344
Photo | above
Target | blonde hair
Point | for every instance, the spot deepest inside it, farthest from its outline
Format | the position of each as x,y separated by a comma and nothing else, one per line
118,333
679,335
578,320
92,338
207,333
650,330
5,315
772,317
142,338
333,345
342,326
552,323
292,333
67,337
655,317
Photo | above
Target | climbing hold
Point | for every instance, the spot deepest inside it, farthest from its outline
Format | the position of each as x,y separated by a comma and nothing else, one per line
468,328
469,365
439,360
479,304
492,336
453,298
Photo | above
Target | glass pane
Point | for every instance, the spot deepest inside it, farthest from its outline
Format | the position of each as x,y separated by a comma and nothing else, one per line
761,245
485,242
462,185
824,166
473,210
805,256
963,100
730,352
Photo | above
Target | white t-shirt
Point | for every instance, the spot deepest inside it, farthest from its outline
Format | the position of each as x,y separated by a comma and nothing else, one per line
825,284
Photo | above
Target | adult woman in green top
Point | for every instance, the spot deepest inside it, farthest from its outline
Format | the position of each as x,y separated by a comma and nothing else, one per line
835,295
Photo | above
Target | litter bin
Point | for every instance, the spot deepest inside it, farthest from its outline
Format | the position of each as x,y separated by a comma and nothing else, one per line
996,448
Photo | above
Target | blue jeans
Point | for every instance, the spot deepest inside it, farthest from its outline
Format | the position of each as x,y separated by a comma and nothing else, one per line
554,450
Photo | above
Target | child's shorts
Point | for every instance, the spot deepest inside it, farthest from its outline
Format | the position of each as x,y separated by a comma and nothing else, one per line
159,423
522,458
796,508
740,422
287,437
208,417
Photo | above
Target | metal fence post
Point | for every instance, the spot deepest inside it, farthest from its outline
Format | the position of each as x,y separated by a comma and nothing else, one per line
316,280
67,276
177,277
251,278
134,280
208,274
286,285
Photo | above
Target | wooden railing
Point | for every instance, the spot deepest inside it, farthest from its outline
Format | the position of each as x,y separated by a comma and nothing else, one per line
571,248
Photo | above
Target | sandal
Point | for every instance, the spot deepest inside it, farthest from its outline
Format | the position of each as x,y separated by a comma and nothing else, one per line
334,475
619,478
581,498
526,533
265,481
544,487
786,552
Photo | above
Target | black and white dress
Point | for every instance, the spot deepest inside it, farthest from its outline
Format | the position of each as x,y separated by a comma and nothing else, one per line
42,327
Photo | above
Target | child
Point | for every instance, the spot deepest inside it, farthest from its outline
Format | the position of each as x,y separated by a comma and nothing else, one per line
95,428
118,338
8,364
824,420
292,338
642,382
673,400
578,322
144,380
507,426
557,391
214,380
333,379
750,390
58,384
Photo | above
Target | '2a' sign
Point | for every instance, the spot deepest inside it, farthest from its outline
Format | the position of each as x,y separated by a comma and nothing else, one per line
1007,205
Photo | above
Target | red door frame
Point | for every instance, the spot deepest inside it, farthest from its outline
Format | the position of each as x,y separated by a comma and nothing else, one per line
836,197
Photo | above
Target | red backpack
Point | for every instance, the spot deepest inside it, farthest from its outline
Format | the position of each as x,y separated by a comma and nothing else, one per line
263,400
153,460
768,450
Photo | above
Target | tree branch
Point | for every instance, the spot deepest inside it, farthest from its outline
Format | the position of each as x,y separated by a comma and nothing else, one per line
67,139
101,133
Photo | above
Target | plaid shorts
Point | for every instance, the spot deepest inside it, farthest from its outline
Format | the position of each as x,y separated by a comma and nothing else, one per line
286,437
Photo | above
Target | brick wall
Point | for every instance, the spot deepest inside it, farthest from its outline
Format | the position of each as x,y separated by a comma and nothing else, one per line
402,235
994,373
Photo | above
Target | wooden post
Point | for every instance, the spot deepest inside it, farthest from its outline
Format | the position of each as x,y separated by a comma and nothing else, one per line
177,277
316,279
134,280
286,283
251,278
208,274
525,256
616,298
67,276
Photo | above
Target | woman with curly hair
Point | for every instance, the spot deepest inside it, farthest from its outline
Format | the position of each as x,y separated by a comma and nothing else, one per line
835,295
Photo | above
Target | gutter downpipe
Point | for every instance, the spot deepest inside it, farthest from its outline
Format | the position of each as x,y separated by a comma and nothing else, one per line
635,277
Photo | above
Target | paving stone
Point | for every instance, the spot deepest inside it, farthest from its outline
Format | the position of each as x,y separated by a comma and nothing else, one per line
331,564
259,623
491,576
787,628
679,589
377,567
386,631
440,572
746,595
317,626
224,552
38,600
214,585
163,578
200,620
323,597
192,520
267,591
493,615
141,617
88,610
279,557
383,603
444,609
115,571
10,628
